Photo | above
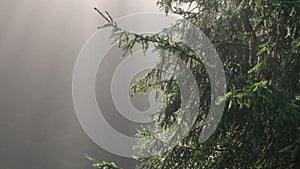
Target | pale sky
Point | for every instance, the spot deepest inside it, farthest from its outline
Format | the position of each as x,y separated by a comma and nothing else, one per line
39,43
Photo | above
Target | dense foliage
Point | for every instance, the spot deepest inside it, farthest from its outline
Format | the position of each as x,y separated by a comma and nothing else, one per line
258,42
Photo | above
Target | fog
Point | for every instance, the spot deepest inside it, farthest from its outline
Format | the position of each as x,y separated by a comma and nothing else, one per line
39,43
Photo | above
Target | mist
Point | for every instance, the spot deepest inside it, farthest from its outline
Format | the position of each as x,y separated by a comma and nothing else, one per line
39,43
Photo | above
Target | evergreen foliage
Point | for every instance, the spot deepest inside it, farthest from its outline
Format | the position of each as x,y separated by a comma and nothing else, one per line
258,42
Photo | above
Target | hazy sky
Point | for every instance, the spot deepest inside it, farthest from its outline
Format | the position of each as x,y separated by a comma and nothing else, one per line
39,43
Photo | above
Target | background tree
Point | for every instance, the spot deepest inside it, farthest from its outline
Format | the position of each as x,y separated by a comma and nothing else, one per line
258,42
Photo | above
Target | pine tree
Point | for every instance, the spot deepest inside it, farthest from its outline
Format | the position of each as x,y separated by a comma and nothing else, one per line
258,42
